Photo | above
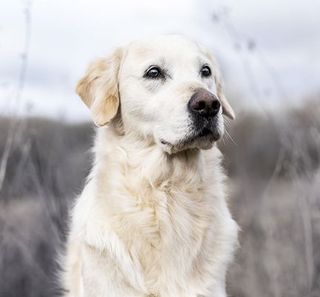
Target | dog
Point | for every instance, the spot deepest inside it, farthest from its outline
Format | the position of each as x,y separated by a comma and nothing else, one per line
153,219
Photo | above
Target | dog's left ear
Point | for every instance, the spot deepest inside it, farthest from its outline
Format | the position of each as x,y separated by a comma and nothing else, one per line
99,90
226,107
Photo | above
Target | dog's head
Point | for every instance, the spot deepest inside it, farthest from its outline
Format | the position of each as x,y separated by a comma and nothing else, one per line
167,90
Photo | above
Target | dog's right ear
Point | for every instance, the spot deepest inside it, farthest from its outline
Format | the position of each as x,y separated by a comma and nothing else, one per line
99,90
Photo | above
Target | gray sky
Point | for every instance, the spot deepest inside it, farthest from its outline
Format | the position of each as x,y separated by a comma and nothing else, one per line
269,50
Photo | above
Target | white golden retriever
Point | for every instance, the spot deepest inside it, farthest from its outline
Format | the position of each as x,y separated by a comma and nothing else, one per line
152,219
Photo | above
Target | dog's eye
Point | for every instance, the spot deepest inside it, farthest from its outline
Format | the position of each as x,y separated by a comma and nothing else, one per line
154,72
205,71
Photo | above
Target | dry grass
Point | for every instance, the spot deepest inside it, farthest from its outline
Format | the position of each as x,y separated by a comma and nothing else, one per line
274,188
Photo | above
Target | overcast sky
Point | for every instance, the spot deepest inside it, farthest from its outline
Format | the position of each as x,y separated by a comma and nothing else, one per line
269,50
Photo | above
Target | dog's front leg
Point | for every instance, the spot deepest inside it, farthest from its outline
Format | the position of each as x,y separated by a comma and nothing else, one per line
103,276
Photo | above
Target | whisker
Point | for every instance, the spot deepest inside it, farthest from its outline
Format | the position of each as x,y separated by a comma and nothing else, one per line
227,134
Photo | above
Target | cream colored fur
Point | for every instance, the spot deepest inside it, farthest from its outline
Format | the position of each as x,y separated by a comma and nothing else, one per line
152,219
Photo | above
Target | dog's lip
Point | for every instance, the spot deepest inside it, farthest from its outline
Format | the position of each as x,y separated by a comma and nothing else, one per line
205,133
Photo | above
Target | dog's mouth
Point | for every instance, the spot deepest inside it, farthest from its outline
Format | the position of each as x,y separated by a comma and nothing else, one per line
209,132
202,138
206,134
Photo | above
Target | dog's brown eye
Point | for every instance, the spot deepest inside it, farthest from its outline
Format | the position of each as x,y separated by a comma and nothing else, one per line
205,71
153,72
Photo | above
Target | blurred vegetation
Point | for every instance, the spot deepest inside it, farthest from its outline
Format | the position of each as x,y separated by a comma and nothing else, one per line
273,162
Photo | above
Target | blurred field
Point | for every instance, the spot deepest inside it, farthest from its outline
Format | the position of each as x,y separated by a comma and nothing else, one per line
273,160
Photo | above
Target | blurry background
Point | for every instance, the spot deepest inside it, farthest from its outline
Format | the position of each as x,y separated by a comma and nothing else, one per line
269,55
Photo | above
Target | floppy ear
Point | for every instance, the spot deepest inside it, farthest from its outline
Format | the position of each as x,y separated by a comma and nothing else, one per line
98,89
226,107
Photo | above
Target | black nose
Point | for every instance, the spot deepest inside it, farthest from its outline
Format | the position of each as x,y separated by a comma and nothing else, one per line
204,103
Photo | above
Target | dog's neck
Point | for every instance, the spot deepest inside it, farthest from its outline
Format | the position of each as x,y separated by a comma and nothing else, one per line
123,153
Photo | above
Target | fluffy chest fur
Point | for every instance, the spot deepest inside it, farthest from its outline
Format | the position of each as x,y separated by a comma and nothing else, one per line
162,223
